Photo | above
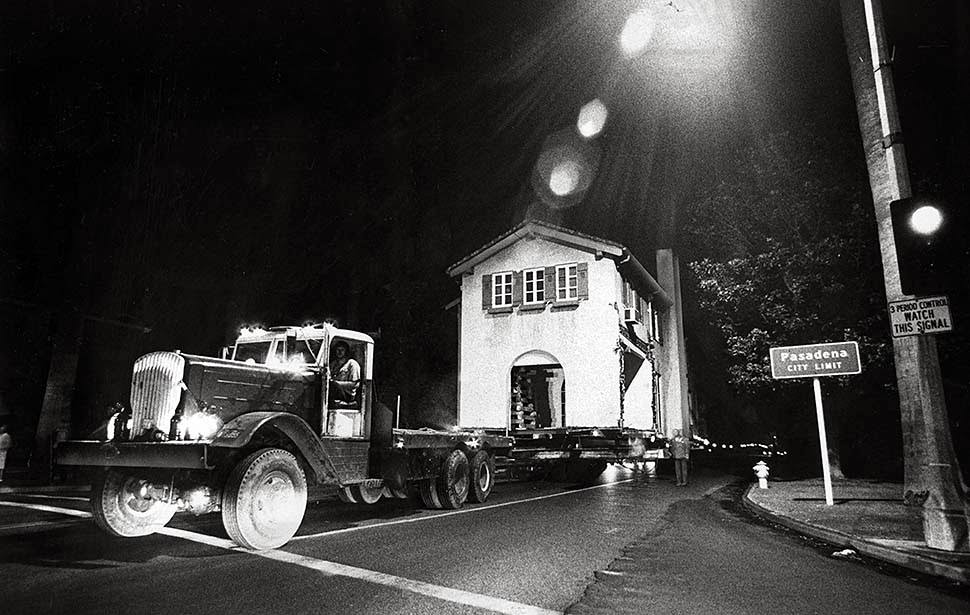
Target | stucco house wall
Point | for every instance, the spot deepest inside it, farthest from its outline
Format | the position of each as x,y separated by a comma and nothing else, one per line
582,337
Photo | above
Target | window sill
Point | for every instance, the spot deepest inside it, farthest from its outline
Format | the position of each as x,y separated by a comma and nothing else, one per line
500,310
532,307
571,304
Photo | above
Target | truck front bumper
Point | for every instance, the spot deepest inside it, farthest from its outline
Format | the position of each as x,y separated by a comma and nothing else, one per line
187,455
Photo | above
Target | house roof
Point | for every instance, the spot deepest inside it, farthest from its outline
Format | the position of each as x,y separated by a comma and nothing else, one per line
624,259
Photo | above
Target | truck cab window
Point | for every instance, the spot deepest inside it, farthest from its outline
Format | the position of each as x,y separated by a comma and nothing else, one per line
251,352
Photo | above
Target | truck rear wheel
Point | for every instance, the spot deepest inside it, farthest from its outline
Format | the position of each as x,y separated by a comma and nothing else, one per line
122,507
366,495
264,499
482,474
452,483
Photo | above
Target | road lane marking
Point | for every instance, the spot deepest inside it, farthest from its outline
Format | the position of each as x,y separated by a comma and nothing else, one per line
47,525
51,509
455,512
481,601
457,596
52,497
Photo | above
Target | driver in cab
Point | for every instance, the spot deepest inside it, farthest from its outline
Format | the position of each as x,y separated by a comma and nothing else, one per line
344,376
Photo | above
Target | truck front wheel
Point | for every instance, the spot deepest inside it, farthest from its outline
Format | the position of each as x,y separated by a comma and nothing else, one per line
122,506
482,475
264,499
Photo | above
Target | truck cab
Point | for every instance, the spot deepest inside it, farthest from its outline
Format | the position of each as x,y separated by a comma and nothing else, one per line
311,351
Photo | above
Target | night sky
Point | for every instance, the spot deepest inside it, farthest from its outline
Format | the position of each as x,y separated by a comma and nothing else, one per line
171,172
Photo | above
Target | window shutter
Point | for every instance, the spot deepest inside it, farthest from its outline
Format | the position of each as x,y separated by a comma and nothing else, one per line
486,291
582,280
550,284
517,288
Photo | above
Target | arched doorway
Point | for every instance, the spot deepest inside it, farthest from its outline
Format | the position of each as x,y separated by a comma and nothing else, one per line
538,383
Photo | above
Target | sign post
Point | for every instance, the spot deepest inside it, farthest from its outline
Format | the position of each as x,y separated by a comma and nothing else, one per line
823,443
813,361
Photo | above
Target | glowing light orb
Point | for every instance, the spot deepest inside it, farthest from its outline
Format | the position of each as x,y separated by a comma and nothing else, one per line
926,220
564,178
637,32
592,118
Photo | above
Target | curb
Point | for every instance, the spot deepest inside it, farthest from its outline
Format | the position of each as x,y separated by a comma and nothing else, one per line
872,549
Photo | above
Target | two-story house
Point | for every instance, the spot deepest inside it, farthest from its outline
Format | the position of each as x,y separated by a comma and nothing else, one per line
562,329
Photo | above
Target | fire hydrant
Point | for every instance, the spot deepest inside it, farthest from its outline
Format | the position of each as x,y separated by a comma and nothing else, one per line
761,471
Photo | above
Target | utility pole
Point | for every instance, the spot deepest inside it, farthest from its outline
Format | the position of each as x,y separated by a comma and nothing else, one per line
931,470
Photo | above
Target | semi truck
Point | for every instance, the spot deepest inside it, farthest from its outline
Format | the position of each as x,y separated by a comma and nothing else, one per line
246,433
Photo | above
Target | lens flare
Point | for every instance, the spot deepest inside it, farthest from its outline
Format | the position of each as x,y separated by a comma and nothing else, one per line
637,32
564,178
592,118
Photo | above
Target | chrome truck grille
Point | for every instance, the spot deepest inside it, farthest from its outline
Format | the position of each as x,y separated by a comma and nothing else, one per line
155,390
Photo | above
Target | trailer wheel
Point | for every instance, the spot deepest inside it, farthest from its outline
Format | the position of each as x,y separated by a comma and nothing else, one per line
121,507
482,474
452,482
429,494
264,499
346,495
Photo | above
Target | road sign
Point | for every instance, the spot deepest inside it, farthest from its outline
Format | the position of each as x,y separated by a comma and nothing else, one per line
920,316
814,360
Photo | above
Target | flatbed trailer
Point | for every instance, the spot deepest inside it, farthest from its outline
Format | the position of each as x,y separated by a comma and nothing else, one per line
577,454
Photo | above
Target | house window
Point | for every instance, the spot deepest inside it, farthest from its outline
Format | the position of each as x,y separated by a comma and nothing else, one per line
567,283
535,285
502,289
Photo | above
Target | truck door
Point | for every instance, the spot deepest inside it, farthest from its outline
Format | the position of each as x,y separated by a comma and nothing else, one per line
348,388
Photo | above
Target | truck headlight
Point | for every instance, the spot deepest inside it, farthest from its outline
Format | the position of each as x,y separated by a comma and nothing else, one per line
202,426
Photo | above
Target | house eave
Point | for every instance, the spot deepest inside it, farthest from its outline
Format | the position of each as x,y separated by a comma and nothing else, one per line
632,268
531,228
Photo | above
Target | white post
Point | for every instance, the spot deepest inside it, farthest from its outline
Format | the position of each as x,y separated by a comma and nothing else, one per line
823,443
397,414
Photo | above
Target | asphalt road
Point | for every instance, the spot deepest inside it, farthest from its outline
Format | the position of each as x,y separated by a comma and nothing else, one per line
629,544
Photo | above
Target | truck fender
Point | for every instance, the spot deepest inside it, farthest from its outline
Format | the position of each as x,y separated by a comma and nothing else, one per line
239,432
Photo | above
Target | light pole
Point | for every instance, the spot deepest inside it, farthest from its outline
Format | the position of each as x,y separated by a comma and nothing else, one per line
931,470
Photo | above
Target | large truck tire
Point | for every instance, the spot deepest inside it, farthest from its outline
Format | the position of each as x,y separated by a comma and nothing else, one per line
482,476
428,491
452,483
121,508
264,499
366,495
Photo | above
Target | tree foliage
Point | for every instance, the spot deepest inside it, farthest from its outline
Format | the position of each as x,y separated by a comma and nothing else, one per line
788,254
